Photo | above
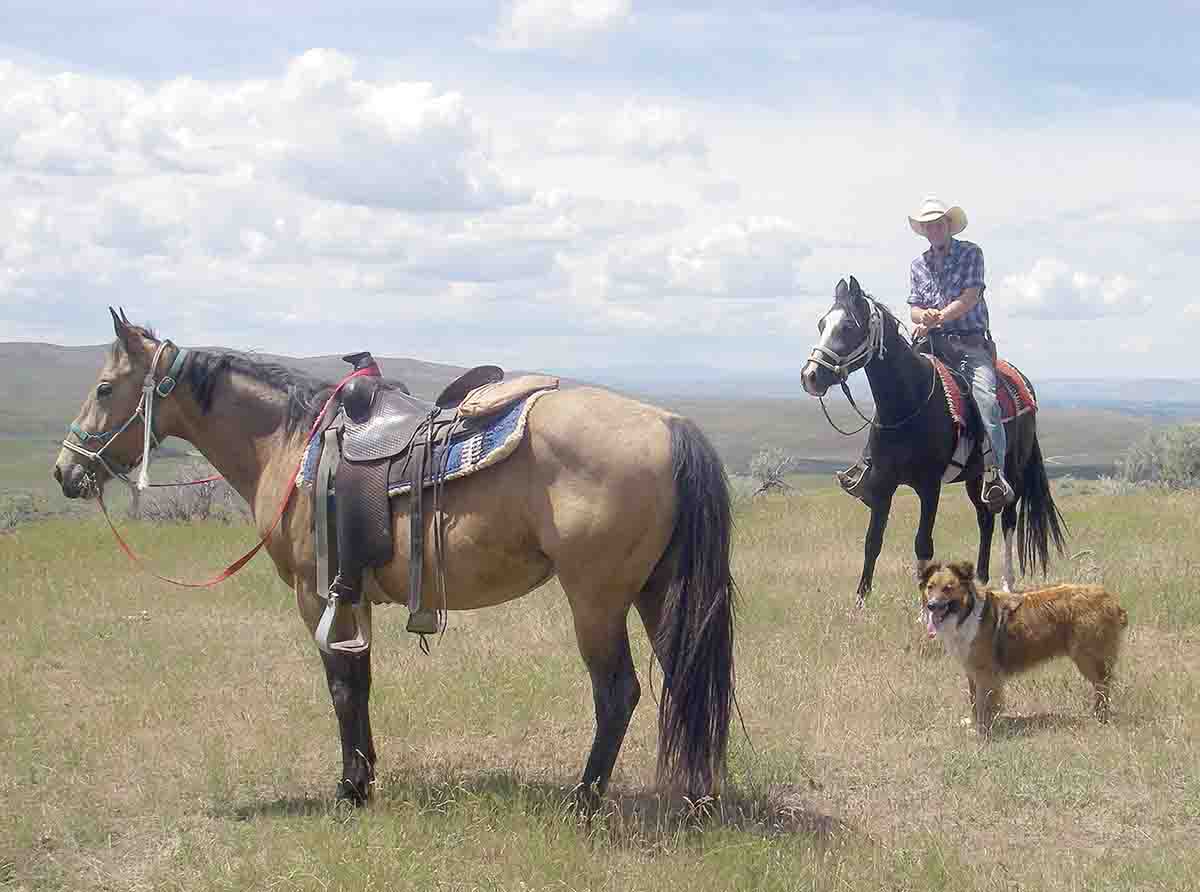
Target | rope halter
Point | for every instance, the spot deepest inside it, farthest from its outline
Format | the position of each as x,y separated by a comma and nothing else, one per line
161,388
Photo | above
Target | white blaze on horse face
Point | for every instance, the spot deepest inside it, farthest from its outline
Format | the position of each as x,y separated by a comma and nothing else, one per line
829,324
833,321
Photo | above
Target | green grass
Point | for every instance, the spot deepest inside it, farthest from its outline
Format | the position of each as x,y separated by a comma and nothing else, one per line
156,738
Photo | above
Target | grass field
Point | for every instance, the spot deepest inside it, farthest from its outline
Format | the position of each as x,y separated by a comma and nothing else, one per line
155,738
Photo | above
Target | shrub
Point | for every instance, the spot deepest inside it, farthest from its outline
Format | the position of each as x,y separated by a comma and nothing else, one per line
769,467
1169,457
215,500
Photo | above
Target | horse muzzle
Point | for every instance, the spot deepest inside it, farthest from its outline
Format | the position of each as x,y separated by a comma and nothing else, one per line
77,482
816,380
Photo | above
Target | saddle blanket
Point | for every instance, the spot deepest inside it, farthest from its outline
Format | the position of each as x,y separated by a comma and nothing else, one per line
1014,396
1013,392
473,451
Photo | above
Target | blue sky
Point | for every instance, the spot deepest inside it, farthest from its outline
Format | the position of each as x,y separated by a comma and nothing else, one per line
568,184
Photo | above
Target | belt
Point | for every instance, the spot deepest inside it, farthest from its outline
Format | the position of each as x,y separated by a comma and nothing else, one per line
976,333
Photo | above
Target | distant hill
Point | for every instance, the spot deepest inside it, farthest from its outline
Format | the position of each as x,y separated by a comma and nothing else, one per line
1084,427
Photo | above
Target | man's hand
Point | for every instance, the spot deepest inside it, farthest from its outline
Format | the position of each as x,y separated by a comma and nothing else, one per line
931,318
920,330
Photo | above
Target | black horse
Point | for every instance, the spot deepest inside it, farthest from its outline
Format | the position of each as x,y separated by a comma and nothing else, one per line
912,440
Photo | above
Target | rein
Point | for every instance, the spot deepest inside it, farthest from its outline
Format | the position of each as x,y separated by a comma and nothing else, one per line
147,414
871,348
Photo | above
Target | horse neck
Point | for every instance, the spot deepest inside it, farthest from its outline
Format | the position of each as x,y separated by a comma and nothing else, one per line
242,435
899,379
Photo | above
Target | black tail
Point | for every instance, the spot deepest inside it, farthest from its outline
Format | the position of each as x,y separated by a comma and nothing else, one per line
1039,520
695,634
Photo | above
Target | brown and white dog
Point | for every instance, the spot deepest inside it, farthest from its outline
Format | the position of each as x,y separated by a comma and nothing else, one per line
997,635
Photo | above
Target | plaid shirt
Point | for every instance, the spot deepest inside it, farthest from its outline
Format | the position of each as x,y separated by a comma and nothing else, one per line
961,269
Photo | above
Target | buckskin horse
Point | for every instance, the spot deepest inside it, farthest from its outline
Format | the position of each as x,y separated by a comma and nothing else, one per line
627,504
913,438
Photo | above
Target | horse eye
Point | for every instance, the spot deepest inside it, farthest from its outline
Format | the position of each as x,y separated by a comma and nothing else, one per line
104,389
821,325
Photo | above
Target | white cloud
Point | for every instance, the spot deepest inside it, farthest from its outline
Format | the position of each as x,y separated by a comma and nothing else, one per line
643,131
704,180
539,24
753,259
1052,290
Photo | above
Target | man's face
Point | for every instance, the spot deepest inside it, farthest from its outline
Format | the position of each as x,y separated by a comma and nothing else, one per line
938,232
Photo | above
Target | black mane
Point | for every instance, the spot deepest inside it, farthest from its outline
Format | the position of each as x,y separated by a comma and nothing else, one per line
306,394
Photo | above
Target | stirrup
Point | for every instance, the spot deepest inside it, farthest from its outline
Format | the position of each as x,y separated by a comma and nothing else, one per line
358,642
996,494
852,479
423,621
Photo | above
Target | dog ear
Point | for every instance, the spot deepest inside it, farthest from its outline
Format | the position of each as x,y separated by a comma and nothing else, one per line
928,572
964,570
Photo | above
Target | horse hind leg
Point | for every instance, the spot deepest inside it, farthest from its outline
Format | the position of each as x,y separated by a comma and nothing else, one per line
1008,525
986,521
600,630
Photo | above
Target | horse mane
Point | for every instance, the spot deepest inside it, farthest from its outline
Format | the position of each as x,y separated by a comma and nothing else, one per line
306,395
886,312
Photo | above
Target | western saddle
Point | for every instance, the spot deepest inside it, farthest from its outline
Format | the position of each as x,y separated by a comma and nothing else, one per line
382,438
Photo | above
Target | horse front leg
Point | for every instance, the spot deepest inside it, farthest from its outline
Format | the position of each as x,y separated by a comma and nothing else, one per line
929,494
349,678
881,506
987,526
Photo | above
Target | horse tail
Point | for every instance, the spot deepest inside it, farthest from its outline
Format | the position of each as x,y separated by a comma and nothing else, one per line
1039,520
694,639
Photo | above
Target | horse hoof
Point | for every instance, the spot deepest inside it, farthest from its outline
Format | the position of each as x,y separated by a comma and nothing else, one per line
351,794
584,800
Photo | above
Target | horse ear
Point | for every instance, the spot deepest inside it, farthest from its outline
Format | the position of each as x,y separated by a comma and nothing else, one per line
841,291
855,288
123,328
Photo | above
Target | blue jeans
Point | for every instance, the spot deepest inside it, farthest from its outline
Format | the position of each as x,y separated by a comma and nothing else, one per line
978,367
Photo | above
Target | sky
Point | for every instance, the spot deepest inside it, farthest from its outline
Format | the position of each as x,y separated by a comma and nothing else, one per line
573,185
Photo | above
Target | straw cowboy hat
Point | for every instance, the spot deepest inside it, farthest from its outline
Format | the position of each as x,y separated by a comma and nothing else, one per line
934,209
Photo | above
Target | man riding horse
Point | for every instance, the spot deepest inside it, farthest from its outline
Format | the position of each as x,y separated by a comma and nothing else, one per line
951,317
948,307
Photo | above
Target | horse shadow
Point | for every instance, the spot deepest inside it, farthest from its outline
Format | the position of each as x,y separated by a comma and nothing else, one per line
623,817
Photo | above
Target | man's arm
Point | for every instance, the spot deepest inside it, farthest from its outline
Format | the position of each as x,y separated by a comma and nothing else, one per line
919,310
960,306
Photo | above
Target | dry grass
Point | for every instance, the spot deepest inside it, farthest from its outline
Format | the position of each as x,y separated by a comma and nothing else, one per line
161,739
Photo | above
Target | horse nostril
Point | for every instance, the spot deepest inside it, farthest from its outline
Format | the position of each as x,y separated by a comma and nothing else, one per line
58,474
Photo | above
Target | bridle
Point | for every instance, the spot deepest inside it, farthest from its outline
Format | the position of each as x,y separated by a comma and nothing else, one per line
162,388
843,365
